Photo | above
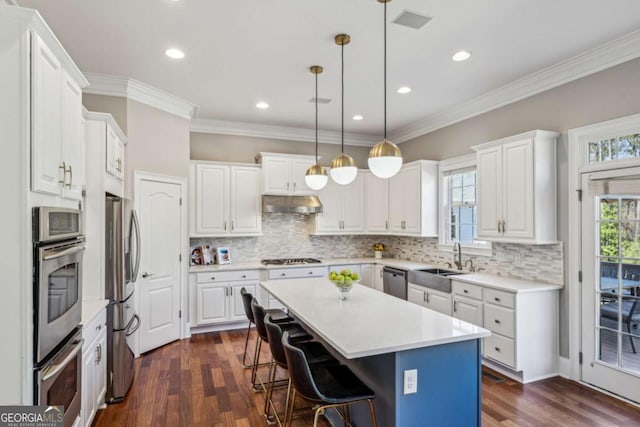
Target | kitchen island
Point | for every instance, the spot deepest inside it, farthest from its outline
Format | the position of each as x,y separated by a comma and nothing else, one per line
380,337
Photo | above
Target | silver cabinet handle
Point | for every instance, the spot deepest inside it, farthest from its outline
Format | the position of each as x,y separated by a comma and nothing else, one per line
497,349
232,225
311,272
70,171
455,306
465,291
427,297
230,291
244,276
504,227
213,278
225,225
424,296
287,185
497,321
386,224
497,299
145,275
294,186
283,274
63,166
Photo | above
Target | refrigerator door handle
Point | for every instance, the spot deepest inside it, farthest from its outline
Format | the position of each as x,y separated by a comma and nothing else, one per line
135,227
130,331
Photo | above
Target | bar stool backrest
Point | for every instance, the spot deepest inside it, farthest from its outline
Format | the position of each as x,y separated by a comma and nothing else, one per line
275,341
299,371
246,302
258,318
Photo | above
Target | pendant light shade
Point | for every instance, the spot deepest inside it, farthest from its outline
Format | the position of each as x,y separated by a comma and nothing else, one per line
385,158
343,168
316,176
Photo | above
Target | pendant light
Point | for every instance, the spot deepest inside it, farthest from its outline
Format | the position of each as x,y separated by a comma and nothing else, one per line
343,168
385,158
316,177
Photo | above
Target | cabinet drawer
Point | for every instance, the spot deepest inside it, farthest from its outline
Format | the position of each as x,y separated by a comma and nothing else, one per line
227,276
504,299
500,349
291,273
94,327
499,320
466,289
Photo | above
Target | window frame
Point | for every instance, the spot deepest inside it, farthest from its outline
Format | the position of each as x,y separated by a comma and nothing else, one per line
448,166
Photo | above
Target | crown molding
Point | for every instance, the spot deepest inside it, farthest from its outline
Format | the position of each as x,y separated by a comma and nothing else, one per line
225,127
605,56
101,84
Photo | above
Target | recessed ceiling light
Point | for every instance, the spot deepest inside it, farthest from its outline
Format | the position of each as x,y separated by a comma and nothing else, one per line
174,53
262,105
404,89
463,55
357,117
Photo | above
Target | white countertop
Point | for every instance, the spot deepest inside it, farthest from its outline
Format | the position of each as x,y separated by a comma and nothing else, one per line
90,308
505,283
368,322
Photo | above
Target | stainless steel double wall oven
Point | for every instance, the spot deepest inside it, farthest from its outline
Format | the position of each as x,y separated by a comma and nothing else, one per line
58,246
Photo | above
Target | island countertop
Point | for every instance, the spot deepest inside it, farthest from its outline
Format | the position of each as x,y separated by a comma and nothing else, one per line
368,322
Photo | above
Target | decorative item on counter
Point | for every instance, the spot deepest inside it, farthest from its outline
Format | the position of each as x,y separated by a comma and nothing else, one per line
344,280
377,250
223,256
201,255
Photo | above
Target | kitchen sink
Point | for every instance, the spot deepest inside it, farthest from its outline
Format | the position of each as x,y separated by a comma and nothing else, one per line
433,278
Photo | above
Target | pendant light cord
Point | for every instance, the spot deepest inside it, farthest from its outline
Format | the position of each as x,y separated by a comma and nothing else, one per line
316,118
385,71
342,95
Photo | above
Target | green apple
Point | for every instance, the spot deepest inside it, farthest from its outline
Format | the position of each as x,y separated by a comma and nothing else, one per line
355,276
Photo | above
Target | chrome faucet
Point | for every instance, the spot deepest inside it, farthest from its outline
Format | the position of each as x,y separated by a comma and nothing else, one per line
457,255
470,261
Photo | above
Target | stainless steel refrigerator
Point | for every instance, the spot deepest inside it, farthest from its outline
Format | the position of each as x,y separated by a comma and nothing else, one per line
121,272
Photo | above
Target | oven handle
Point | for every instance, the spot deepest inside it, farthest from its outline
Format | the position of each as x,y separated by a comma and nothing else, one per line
138,323
64,252
55,369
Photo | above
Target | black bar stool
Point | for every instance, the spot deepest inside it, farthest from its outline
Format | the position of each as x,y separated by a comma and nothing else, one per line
297,333
315,353
278,316
331,386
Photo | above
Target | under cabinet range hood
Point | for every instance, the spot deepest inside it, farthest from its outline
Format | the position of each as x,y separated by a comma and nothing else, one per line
291,204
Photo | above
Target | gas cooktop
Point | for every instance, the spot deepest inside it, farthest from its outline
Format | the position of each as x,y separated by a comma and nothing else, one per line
290,261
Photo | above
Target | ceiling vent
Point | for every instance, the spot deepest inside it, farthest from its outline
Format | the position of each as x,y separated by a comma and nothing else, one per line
411,19
320,100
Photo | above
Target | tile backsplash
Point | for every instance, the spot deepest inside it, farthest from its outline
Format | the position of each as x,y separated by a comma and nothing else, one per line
289,236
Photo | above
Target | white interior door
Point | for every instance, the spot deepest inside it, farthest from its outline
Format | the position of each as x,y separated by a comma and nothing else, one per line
611,281
160,214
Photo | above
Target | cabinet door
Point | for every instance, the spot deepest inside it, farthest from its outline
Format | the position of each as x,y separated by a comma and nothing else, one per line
377,279
100,370
489,185
517,198
120,159
367,275
47,169
439,301
416,295
237,306
397,201
72,138
413,199
112,152
468,310
352,205
329,220
212,196
298,171
88,402
245,200
211,303
277,175
376,201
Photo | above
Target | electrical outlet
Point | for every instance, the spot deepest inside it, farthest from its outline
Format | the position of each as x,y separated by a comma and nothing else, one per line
410,381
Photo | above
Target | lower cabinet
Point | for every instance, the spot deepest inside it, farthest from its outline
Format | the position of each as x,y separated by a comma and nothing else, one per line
94,367
368,275
429,298
218,297
268,301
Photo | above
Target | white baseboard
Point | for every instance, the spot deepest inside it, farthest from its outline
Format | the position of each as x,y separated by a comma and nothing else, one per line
564,367
218,328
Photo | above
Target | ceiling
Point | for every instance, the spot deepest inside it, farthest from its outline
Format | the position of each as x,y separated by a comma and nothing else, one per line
242,52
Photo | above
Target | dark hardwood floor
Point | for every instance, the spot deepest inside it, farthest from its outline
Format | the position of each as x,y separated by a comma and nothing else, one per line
201,382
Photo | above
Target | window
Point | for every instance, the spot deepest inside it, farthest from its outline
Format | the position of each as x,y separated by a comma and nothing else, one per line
618,148
459,219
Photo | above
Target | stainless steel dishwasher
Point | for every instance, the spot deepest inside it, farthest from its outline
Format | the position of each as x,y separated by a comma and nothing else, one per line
394,282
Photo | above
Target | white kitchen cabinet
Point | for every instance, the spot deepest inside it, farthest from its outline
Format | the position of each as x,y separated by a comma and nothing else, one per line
342,207
57,136
367,275
94,367
283,174
115,154
516,186
217,297
524,327
376,202
284,273
378,283
429,298
413,200
224,199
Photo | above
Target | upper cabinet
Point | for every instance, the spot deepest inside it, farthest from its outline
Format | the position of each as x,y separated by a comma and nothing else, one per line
517,188
342,207
115,154
413,200
283,174
57,134
376,203
224,199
